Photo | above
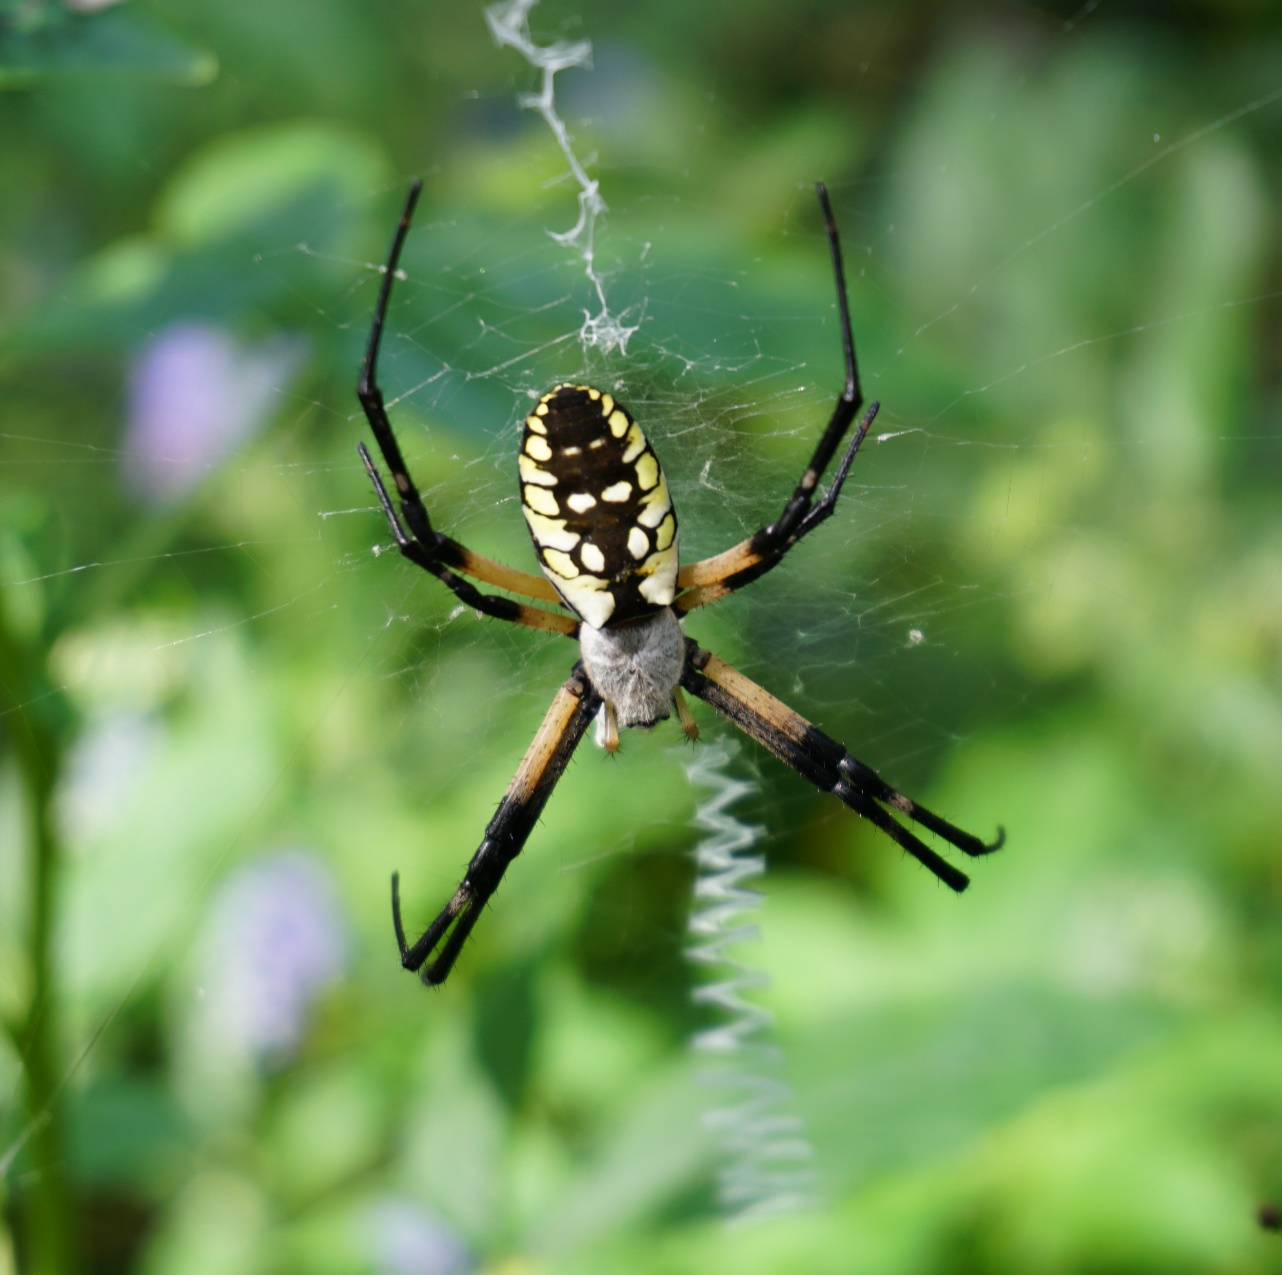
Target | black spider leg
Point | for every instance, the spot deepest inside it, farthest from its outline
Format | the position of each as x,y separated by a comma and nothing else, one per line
572,712
826,763
801,515
492,604
798,517
422,545
371,396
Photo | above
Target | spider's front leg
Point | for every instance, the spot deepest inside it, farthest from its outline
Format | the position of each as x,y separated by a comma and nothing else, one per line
572,711
416,538
491,604
806,508
826,763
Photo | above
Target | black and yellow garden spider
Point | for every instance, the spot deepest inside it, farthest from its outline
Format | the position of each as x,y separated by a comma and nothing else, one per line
605,533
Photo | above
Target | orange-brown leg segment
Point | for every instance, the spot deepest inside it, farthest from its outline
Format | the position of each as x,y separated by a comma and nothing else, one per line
827,764
491,604
609,736
684,715
713,578
572,711
487,571
422,544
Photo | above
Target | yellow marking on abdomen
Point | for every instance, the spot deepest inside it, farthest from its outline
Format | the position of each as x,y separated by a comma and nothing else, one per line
561,563
531,473
541,501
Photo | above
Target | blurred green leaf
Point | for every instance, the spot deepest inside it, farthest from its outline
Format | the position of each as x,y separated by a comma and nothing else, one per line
44,39
243,180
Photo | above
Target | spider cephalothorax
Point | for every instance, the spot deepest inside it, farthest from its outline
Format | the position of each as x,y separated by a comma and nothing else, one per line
605,533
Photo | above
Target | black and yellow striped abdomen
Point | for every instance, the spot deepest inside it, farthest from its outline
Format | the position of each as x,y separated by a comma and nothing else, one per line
597,506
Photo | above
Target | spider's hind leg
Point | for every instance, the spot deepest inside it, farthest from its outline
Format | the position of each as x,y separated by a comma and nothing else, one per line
545,760
464,907
827,764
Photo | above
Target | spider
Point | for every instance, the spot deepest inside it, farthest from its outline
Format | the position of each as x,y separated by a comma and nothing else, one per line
605,533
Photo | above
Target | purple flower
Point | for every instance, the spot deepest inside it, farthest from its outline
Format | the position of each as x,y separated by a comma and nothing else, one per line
194,395
276,938
402,1237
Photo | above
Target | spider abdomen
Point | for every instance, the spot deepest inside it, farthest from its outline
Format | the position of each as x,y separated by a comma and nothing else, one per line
598,508
636,667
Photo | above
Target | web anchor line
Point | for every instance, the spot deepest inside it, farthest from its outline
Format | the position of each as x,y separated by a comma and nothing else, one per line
767,1159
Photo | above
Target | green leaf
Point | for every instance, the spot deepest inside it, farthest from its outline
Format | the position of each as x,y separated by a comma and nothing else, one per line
39,42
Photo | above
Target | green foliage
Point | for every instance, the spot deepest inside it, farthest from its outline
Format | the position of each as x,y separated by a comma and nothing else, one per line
43,40
1051,598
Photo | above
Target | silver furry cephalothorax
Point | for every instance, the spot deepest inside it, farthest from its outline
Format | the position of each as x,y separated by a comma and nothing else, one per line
637,666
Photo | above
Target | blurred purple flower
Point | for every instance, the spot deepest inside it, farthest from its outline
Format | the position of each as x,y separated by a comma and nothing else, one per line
194,395
276,939
403,1237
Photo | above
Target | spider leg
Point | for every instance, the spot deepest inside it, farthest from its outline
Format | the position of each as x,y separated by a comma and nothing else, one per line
487,603
435,544
826,763
714,577
572,711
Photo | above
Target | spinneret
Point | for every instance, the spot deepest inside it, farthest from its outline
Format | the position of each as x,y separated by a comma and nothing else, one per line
597,507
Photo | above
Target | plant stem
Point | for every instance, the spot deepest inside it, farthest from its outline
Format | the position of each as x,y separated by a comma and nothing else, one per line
35,718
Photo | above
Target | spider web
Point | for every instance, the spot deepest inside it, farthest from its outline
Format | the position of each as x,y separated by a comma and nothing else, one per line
734,389
735,393
732,371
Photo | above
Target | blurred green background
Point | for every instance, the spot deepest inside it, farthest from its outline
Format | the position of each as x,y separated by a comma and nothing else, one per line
1051,599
